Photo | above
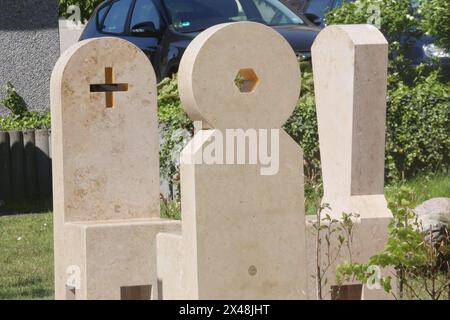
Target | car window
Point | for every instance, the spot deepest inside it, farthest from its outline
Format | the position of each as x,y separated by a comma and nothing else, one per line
337,4
241,16
197,15
319,7
102,12
116,17
146,11
271,14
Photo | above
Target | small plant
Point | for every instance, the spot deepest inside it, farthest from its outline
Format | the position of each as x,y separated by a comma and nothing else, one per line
421,264
170,209
13,101
176,129
330,229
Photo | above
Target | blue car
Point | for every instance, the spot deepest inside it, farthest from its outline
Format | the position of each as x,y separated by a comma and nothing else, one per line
164,28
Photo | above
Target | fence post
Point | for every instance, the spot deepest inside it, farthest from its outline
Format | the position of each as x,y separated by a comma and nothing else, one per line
30,164
17,165
43,163
5,167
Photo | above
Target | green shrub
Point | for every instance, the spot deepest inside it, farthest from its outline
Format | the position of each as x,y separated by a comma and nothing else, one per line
13,101
20,118
302,125
175,130
86,7
436,21
420,263
26,120
397,18
418,127
397,21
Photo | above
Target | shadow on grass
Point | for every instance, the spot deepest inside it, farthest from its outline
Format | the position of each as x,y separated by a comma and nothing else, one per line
32,287
27,294
26,206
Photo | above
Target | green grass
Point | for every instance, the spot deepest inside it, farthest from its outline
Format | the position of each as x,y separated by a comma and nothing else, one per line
26,241
425,187
26,256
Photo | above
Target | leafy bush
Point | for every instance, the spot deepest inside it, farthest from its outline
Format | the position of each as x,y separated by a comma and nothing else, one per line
86,7
397,21
436,21
26,120
402,22
396,17
418,127
421,265
13,101
175,130
302,125
20,118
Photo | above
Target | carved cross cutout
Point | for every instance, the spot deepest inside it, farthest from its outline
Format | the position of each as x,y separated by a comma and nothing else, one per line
109,87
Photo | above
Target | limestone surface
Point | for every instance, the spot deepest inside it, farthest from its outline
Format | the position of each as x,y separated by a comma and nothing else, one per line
105,172
243,233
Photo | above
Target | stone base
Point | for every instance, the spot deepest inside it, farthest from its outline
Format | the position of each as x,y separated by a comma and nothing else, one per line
109,259
370,235
177,280
169,270
369,238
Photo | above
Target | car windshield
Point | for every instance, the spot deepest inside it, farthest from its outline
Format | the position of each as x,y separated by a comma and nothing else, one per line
319,7
198,15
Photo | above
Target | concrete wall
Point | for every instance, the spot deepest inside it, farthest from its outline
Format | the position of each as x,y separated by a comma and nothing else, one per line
29,48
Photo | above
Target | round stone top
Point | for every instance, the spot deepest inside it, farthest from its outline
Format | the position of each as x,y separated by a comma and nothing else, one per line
105,132
104,73
354,34
239,75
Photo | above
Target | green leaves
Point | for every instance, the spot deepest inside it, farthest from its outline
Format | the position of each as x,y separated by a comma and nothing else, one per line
176,129
13,101
20,118
87,7
407,250
435,21
302,125
418,127
26,120
402,22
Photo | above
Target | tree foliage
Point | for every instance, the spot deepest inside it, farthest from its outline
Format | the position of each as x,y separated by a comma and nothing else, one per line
87,7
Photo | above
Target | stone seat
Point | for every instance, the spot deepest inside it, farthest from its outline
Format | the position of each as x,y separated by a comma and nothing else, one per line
114,222
116,258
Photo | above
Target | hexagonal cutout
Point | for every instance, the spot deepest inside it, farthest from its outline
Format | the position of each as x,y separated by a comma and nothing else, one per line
246,80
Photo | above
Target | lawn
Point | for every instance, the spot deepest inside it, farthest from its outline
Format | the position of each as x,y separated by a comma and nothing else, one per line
26,243
26,256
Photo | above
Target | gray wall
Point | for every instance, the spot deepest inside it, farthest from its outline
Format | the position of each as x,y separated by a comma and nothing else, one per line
29,48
